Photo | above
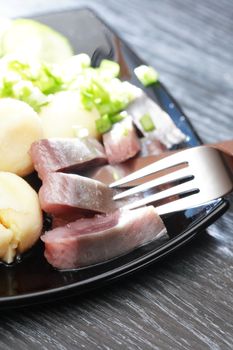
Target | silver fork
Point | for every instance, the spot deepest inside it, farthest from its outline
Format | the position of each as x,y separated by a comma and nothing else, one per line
207,172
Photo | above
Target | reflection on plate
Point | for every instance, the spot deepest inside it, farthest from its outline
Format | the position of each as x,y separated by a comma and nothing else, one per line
34,280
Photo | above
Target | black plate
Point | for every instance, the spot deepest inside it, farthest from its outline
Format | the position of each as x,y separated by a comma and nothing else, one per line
33,280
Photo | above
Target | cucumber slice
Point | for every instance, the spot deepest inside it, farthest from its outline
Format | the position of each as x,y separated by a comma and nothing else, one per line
5,24
31,39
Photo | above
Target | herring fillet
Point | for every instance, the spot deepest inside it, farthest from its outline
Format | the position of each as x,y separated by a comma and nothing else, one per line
121,142
165,129
91,241
62,194
150,146
66,155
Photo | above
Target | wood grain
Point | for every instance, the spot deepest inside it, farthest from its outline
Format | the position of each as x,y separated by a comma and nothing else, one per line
185,302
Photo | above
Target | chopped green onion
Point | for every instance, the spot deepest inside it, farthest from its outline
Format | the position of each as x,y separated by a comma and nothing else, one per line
98,88
110,69
103,124
82,59
125,132
146,74
147,123
116,118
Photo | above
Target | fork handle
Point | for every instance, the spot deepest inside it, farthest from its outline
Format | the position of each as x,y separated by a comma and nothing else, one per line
225,146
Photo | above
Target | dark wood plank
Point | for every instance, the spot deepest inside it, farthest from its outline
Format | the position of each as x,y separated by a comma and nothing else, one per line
185,302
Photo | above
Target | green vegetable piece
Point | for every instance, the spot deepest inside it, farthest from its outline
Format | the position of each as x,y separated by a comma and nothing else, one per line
6,89
147,123
109,69
5,24
118,117
146,74
48,81
103,124
31,39
82,60
41,75
108,96
125,132
40,64
27,92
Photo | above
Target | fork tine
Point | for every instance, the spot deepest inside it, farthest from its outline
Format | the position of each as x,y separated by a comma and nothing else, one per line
192,201
176,175
179,189
165,163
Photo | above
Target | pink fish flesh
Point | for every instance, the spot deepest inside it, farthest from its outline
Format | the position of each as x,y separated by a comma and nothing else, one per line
94,240
64,193
66,155
121,142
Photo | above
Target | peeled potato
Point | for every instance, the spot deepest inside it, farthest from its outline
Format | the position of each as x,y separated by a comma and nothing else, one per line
20,126
65,113
20,216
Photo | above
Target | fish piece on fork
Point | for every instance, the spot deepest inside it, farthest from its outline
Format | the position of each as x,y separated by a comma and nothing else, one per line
206,174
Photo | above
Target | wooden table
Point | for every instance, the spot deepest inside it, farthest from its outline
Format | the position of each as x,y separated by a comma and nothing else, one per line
185,302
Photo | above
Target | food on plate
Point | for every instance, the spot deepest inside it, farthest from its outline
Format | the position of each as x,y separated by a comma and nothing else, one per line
146,74
20,216
74,99
61,193
66,218
89,98
72,123
110,173
30,38
96,89
150,146
65,115
4,26
66,195
66,155
29,80
121,142
90,241
153,122
20,126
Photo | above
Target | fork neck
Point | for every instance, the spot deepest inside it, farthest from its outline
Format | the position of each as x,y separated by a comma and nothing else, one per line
227,148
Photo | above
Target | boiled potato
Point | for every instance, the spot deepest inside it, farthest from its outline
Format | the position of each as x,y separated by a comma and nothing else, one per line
64,114
20,126
20,216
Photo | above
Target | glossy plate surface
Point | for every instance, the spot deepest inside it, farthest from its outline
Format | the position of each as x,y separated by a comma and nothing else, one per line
33,280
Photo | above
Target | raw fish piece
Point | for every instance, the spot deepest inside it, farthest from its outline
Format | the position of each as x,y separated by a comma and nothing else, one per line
66,155
91,241
64,193
165,130
121,142
151,147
